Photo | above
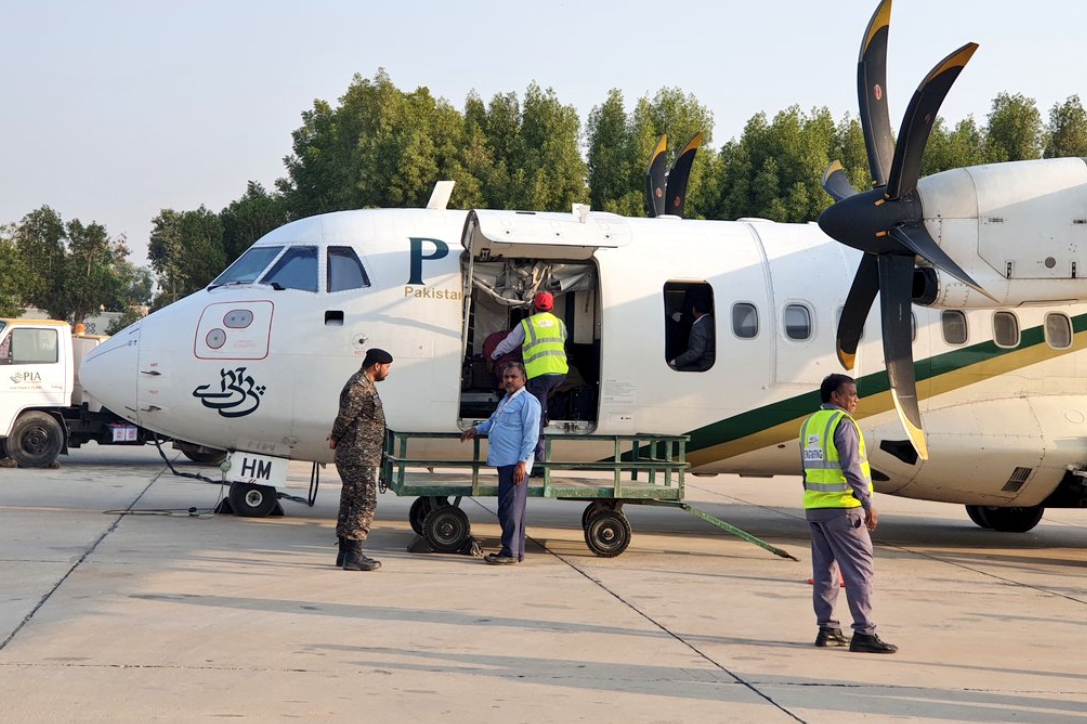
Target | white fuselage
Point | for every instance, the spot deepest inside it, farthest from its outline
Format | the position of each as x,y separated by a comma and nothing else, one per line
270,383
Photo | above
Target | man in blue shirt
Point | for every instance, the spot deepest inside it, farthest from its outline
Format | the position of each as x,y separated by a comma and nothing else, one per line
513,430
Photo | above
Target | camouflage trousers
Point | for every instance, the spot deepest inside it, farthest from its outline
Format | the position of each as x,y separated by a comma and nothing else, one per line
358,500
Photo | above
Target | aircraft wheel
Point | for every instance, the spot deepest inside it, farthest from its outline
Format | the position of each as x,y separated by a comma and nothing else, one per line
446,529
419,509
1014,520
36,440
608,533
200,454
977,514
252,501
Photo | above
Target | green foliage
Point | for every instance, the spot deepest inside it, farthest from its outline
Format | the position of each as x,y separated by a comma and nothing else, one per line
963,146
70,270
620,147
1066,133
249,218
186,251
1015,129
13,274
775,170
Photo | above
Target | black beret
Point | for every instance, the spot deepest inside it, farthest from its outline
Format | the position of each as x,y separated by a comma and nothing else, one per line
375,356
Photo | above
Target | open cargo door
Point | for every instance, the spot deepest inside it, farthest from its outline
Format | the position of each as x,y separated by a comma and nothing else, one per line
509,257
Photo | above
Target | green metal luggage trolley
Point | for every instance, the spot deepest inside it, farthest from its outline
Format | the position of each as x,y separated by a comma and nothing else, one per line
646,469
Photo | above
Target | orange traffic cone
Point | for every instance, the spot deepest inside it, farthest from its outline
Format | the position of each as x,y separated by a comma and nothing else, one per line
841,581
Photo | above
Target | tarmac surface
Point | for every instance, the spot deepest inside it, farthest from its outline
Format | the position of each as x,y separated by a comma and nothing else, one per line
114,617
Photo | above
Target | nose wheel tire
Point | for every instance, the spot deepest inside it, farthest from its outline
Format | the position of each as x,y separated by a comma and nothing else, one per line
36,440
252,501
607,533
446,529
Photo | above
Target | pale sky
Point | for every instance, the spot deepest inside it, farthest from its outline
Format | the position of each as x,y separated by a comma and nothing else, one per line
116,109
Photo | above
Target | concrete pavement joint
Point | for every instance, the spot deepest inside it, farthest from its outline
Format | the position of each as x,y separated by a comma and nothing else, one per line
1002,579
738,679
60,582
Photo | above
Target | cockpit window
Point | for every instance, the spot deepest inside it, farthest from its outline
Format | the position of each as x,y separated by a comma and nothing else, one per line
248,266
345,270
296,269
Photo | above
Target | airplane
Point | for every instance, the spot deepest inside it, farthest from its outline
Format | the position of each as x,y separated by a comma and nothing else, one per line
973,377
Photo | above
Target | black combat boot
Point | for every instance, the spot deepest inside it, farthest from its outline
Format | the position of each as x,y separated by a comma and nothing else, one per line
341,550
830,637
870,644
354,560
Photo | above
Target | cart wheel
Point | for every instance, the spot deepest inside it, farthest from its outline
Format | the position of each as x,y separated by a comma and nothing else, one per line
591,510
252,501
419,509
446,529
608,533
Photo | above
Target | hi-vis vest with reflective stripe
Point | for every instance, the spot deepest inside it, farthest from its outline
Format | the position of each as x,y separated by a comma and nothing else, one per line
543,349
825,484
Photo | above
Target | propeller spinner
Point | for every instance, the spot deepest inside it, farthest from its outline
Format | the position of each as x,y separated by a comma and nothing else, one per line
887,222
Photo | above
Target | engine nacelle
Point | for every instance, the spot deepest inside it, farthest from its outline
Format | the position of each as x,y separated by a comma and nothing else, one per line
1019,229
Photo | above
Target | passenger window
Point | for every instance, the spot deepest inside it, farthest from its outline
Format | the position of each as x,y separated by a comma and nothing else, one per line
690,343
29,347
248,266
1058,330
296,269
913,327
345,270
1006,330
745,320
797,322
954,324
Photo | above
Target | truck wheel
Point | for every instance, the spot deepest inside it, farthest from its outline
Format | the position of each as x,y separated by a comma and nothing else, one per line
200,454
36,440
252,501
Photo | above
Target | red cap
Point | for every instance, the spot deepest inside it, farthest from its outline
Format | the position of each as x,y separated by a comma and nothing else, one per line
544,301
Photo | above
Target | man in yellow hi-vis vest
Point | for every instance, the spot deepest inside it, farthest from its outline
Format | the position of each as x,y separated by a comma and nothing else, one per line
542,339
838,502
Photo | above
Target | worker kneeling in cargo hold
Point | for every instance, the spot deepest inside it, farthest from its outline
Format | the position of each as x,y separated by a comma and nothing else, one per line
838,502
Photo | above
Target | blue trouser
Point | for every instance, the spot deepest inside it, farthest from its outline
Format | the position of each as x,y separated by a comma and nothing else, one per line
839,539
512,501
539,387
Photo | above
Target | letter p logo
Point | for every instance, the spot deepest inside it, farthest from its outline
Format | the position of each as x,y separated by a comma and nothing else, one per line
441,250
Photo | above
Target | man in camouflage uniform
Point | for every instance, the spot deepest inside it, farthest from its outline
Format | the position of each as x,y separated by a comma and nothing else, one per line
358,437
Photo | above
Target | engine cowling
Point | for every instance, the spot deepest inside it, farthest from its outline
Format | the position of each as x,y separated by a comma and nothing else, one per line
1019,229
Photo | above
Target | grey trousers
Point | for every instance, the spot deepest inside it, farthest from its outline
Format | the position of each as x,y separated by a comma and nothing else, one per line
839,540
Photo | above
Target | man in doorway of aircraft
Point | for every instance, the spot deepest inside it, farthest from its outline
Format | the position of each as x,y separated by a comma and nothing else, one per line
542,339
358,437
838,501
702,342
513,430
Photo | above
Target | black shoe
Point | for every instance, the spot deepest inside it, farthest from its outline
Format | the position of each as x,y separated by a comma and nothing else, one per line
831,638
870,644
499,559
342,552
354,560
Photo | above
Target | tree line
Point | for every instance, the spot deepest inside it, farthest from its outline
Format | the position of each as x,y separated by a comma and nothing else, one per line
384,147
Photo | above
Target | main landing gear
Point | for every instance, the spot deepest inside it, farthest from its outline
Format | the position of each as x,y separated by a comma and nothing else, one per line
1006,520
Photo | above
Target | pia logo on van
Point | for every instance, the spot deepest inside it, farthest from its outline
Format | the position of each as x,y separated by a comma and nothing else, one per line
26,377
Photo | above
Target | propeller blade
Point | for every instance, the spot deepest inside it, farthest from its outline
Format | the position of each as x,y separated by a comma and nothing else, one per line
676,191
855,312
872,92
654,178
914,236
917,123
895,283
836,183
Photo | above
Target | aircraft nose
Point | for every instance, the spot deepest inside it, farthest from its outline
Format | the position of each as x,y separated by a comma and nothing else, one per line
110,373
